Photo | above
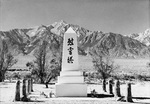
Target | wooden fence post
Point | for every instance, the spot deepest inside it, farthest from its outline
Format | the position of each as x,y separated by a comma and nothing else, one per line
17,93
31,85
104,85
27,86
128,96
110,84
24,91
117,89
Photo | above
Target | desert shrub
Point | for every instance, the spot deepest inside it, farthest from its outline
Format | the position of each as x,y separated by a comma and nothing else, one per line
27,76
140,77
125,77
16,76
13,75
90,77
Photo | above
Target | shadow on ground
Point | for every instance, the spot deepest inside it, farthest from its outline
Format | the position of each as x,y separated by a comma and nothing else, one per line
100,95
141,98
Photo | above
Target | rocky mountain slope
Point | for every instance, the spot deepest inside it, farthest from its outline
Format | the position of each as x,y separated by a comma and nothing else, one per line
93,42
143,37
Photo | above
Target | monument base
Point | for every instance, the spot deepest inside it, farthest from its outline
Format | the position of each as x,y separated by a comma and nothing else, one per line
71,90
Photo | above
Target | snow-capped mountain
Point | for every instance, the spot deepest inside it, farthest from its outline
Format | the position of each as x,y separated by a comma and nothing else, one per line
142,37
89,42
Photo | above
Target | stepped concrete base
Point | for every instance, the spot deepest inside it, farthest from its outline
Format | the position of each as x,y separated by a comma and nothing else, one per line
71,90
71,79
71,73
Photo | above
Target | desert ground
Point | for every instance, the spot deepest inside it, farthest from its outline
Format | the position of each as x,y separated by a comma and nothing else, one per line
140,94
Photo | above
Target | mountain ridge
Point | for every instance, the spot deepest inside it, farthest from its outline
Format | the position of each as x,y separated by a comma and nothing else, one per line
115,45
143,37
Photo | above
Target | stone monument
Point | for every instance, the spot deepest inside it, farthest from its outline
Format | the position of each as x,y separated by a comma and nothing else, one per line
71,81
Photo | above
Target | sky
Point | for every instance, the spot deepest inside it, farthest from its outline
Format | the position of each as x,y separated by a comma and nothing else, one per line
118,16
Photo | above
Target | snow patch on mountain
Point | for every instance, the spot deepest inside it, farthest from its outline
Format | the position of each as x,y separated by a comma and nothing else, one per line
143,37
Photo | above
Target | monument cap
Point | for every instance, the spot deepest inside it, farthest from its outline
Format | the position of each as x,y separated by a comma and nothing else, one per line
70,30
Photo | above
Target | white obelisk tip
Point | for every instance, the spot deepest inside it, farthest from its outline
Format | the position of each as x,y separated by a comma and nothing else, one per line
70,30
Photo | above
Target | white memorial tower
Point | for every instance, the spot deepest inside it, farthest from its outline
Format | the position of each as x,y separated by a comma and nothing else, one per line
71,80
